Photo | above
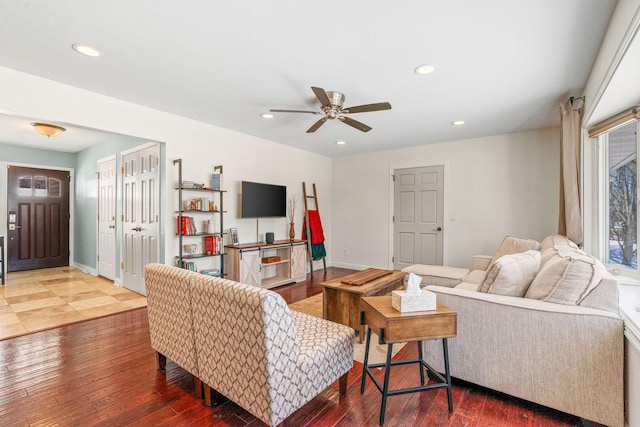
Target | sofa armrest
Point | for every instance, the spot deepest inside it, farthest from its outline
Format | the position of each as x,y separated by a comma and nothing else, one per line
480,262
560,356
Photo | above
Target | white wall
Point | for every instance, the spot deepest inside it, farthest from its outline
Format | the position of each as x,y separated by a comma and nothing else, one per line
494,186
201,146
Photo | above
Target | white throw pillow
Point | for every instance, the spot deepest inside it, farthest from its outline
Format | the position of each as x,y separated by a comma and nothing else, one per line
514,245
511,274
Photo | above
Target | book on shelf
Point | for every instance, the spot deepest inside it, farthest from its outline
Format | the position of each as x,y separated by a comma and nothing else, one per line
213,245
211,272
216,181
188,226
188,265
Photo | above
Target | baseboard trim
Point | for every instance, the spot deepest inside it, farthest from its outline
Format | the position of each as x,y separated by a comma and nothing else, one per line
85,269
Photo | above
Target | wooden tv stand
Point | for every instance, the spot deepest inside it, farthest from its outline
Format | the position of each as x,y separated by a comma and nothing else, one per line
267,264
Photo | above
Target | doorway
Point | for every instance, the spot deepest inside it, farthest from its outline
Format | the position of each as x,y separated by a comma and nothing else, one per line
418,212
38,218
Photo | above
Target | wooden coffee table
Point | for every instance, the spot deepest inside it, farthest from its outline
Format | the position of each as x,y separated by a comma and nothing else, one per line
392,327
341,302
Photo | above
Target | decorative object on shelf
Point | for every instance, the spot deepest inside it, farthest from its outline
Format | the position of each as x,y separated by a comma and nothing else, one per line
291,211
233,236
191,249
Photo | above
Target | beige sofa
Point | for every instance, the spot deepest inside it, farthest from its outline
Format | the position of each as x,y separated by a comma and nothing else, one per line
556,339
243,341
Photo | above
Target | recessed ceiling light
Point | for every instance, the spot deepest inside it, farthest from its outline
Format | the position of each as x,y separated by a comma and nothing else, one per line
425,69
341,142
458,123
266,115
86,50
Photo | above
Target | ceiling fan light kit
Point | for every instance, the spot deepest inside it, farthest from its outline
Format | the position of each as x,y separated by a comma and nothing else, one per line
332,108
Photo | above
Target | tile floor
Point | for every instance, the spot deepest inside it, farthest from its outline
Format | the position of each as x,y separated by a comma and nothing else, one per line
35,300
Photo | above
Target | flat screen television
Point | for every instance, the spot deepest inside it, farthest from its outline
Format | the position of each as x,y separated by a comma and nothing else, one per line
263,200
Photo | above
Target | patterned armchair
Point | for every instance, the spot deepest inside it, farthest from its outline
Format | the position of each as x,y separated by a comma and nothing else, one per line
267,359
171,319
243,342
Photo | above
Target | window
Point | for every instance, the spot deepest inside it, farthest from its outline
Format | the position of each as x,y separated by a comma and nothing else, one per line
622,198
615,204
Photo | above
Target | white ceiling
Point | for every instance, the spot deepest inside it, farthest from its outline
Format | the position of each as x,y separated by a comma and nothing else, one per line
501,65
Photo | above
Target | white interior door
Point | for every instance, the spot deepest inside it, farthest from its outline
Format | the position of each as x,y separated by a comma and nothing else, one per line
107,218
418,216
140,215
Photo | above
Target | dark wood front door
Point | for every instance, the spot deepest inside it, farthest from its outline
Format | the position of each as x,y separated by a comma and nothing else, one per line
38,218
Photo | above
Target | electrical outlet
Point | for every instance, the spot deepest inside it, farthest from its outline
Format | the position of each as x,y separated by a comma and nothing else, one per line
345,252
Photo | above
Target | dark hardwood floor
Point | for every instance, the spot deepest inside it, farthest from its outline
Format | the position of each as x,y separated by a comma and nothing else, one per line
103,372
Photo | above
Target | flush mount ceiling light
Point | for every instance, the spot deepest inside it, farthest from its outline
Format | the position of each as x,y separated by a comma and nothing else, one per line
47,129
458,123
266,115
341,142
85,49
425,69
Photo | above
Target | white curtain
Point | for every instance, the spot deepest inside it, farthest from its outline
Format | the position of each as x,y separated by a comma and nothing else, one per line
570,218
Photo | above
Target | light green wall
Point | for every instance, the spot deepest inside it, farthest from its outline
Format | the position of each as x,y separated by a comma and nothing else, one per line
33,156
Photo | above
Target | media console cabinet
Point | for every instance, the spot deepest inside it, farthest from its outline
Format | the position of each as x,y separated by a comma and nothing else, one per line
267,264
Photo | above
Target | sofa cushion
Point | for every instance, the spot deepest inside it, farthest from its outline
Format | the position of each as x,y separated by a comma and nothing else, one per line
513,245
511,274
475,276
566,276
439,275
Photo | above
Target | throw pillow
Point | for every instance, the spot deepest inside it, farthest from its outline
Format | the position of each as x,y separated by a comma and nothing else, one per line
566,278
514,245
511,274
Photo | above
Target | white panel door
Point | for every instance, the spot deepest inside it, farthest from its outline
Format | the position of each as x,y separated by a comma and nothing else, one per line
149,180
140,215
107,218
418,216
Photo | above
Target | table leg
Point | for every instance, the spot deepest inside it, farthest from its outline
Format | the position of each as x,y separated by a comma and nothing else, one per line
385,388
447,373
366,361
421,359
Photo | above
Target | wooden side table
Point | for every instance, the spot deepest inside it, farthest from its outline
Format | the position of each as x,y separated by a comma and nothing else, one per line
392,327
341,302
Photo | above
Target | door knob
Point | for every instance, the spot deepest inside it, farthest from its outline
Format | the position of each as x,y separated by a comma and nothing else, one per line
112,226
437,229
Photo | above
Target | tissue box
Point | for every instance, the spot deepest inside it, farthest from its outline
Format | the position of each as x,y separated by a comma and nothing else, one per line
424,301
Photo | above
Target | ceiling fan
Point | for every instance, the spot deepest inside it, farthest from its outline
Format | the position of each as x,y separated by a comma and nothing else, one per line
332,108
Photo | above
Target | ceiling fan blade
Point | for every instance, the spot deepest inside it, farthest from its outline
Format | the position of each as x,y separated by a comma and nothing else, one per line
322,96
354,123
294,111
368,107
316,125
